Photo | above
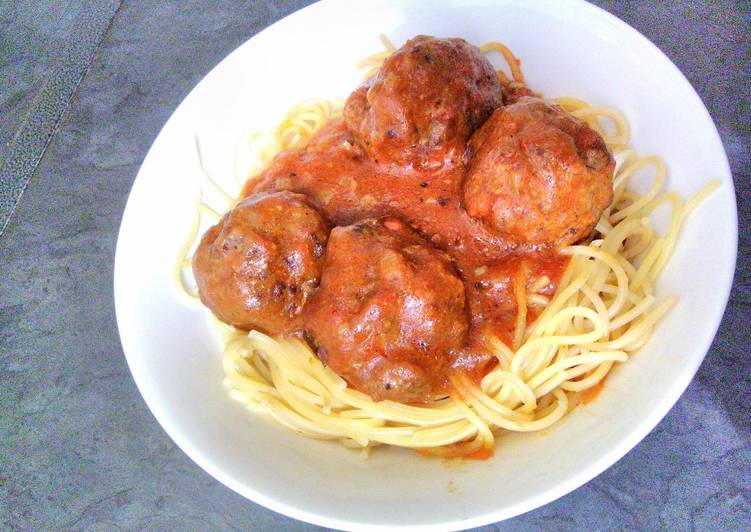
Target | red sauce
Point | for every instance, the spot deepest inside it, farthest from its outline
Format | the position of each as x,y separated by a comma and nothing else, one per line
347,186
481,454
458,450
590,394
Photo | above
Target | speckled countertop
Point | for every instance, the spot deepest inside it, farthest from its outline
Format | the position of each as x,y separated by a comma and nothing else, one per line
85,87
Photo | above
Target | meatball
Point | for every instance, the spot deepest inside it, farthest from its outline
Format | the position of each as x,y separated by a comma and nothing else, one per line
538,176
424,103
389,313
258,266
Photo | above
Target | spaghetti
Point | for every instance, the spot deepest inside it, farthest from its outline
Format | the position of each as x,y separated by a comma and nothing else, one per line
604,310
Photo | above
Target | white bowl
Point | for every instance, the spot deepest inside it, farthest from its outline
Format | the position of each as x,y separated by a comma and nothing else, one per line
567,48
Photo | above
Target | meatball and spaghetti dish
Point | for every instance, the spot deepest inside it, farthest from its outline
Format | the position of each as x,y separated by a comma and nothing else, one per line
445,256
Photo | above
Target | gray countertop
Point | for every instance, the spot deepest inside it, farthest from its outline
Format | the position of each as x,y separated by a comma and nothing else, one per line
84,89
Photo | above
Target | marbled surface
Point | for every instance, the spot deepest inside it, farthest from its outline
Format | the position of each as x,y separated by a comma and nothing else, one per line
78,447
45,52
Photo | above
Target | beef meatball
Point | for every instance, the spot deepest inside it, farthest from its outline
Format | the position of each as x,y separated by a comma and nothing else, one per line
257,267
389,313
424,103
538,175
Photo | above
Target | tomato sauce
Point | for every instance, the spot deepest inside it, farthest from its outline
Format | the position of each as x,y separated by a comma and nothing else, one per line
348,186
458,450
590,394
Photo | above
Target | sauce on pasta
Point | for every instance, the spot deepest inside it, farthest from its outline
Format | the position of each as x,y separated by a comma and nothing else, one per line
449,257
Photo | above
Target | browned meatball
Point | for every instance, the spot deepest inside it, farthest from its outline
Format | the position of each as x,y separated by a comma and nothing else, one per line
389,312
425,102
257,267
538,175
